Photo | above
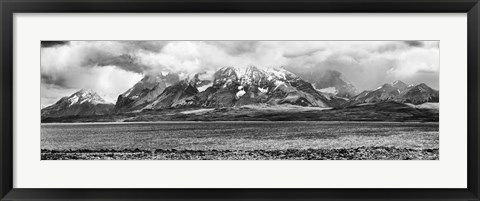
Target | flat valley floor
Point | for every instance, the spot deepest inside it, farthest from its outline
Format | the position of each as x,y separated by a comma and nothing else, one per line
241,140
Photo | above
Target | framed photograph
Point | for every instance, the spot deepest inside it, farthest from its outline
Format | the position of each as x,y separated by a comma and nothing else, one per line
237,100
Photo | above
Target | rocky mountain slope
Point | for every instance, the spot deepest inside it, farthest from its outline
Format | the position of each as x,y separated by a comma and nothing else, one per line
145,91
418,94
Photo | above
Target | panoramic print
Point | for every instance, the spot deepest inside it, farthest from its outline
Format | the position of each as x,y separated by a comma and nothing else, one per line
239,100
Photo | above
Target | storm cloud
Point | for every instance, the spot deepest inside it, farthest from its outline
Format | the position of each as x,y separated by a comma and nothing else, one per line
111,67
53,43
414,43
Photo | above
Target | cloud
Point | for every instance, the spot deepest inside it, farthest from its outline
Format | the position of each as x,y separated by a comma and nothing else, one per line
53,43
235,47
152,46
125,61
114,66
302,54
414,43
108,82
368,64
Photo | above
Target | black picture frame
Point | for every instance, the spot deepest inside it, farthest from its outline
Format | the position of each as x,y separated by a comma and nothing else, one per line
10,7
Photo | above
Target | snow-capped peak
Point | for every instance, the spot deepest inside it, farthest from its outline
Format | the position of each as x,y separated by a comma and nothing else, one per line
251,73
85,91
279,73
85,96
398,85
397,82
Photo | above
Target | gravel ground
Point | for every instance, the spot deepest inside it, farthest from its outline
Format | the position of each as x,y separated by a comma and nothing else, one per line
359,153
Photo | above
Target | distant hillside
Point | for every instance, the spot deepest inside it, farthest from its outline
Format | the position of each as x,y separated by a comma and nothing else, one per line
396,92
82,103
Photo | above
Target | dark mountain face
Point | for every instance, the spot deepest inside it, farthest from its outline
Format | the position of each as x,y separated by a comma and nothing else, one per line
396,92
82,103
145,91
179,94
225,76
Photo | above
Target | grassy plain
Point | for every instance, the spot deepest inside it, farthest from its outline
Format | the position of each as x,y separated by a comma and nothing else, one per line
266,140
389,112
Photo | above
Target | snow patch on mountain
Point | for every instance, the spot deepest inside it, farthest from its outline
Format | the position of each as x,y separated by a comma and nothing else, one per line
330,90
240,93
278,73
263,90
198,111
73,100
283,107
204,87
427,105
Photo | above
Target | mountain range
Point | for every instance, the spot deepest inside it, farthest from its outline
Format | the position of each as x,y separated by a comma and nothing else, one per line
231,87
397,91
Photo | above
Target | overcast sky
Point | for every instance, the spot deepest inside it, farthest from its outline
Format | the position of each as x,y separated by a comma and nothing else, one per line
111,67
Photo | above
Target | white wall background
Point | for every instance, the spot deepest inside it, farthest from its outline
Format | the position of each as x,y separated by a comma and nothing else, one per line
448,172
